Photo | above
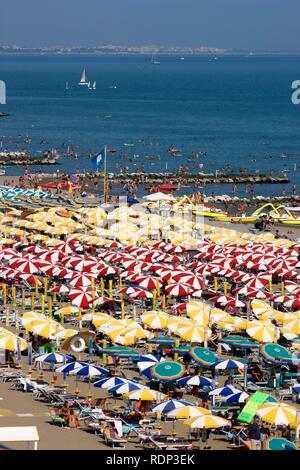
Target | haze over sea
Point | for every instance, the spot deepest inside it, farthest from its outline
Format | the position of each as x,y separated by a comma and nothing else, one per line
238,109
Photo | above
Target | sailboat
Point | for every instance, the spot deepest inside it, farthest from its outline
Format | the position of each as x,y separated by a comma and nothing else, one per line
93,87
154,61
83,80
67,85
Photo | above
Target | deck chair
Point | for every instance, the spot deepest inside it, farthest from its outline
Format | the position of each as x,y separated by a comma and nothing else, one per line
111,438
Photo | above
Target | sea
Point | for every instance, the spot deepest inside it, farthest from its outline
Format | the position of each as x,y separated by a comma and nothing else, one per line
222,113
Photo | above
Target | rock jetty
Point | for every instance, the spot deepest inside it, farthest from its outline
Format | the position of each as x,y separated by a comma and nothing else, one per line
22,158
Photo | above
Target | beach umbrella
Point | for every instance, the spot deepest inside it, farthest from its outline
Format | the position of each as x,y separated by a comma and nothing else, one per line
81,280
261,331
239,397
292,323
53,358
162,340
230,364
170,405
44,327
198,311
279,443
68,310
147,361
203,356
195,380
156,320
277,413
67,333
166,371
185,412
175,321
178,290
11,342
110,382
28,317
208,421
259,282
145,394
287,301
81,298
89,370
67,368
127,387
62,289
193,334
275,353
147,282
141,294
225,391
296,388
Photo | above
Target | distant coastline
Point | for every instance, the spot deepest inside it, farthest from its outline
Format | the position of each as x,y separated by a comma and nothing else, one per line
137,51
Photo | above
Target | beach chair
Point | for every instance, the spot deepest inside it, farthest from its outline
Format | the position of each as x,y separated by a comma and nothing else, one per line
56,418
111,438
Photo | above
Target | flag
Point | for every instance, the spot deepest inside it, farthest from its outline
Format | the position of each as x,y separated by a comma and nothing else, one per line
97,160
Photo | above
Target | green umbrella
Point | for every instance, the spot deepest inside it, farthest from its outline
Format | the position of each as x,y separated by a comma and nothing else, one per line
181,350
119,351
279,443
167,371
203,356
275,353
168,340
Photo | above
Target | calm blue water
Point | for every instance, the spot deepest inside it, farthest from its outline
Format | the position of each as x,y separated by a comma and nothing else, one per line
237,109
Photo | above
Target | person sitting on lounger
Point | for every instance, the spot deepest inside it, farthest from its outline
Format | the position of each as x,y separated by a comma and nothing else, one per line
73,420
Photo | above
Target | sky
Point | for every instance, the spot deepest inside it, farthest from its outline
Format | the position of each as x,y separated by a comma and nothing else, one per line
253,25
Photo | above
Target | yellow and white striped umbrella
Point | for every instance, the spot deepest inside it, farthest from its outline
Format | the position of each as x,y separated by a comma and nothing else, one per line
10,342
135,333
193,334
198,311
261,331
67,333
45,328
145,395
28,317
156,320
174,322
277,413
261,308
207,422
69,310
291,323
185,412
216,314
98,318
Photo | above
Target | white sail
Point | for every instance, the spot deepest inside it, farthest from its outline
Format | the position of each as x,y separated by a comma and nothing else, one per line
83,80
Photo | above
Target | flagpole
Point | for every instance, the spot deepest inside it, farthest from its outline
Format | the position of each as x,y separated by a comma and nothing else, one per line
104,175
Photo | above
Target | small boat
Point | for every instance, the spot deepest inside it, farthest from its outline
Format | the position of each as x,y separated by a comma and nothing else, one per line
164,188
94,86
128,145
111,150
67,86
83,80
154,61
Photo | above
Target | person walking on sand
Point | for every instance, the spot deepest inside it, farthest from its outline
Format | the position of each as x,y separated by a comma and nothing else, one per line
253,432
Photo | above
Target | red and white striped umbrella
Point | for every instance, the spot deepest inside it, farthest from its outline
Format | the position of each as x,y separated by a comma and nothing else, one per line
291,286
253,293
26,267
227,300
130,290
65,248
108,270
141,294
113,244
170,248
60,289
258,282
147,282
31,279
81,298
196,282
81,280
287,301
178,290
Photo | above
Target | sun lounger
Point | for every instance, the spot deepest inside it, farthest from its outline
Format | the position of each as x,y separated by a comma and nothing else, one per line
111,438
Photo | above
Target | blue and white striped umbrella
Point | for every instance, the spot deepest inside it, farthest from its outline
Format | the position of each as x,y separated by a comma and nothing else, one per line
110,382
239,397
296,388
224,391
170,405
67,368
53,358
125,388
148,361
195,380
89,371
230,364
